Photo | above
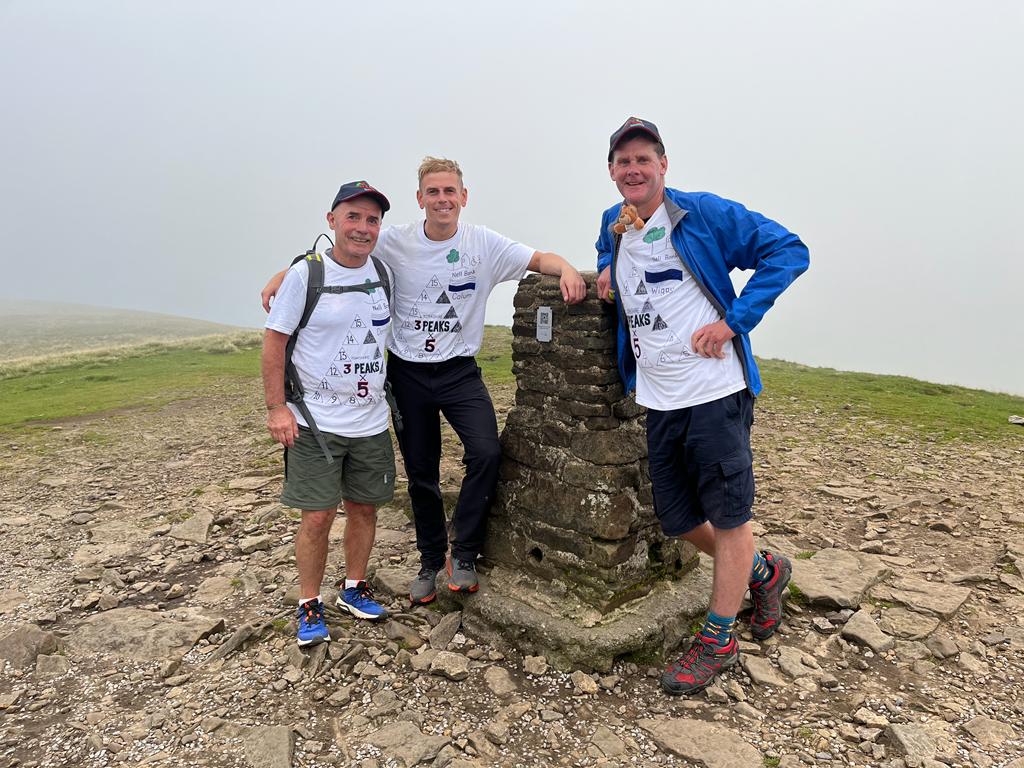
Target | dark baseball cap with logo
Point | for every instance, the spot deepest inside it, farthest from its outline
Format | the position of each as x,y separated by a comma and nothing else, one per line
633,125
354,189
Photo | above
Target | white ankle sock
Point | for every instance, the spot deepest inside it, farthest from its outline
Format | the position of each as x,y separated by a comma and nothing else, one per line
305,600
350,583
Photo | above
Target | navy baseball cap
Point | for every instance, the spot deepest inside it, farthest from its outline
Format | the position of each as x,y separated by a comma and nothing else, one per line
355,189
633,124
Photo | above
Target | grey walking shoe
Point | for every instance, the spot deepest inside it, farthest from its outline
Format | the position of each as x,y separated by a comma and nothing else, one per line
422,589
462,575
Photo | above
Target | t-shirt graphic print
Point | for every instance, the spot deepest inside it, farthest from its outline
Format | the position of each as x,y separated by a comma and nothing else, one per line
664,307
441,297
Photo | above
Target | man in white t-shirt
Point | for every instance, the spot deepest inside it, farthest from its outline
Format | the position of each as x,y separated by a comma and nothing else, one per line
683,344
446,269
335,432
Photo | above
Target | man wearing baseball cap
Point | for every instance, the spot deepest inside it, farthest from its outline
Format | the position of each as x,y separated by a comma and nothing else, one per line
447,269
337,445
683,346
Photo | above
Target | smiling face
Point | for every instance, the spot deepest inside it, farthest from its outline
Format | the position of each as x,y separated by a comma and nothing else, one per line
442,197
356,225
639,173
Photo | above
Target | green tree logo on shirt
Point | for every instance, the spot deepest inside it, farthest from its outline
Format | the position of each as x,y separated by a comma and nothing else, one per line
453,256
656,234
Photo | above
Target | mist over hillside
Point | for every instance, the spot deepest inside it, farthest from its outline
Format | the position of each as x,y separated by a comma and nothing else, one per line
30,328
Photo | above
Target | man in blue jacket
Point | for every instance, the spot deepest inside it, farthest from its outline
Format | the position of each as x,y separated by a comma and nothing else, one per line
683,346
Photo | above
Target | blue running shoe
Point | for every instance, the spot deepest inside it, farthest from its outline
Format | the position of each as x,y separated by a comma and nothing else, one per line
358,601
312,627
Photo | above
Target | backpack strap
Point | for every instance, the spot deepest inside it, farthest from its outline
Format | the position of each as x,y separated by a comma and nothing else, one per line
382,275
293,391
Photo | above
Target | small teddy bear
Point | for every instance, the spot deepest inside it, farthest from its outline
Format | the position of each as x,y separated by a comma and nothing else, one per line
629,216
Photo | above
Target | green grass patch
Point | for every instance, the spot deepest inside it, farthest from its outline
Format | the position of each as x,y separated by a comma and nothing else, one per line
771,762
495,356
796,596
147,376
805,555
940,411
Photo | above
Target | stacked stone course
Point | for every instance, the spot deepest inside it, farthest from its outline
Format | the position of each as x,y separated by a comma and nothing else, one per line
580,570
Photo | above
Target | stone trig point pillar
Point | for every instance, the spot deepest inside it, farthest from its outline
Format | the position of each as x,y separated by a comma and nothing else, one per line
581,572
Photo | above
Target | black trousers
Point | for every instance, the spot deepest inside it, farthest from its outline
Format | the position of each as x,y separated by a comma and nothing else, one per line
453,388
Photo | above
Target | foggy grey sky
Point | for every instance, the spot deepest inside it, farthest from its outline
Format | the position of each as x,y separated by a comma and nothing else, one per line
170,157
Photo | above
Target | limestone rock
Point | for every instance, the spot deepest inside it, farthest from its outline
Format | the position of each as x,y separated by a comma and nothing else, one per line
912,741
10,599
269,746
584,682
405,636
908,625
604,739
131,633
251,544
934,597
708,744
53,665
454,666
445,630
837,577
761,671
195,529
404,742
500,681
21,646
535,665
988,732
861,628
214,590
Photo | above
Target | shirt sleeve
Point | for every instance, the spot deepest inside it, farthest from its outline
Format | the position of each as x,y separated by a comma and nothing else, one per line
286,311
509,259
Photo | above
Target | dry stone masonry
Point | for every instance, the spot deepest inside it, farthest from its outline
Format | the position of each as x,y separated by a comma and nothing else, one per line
581,572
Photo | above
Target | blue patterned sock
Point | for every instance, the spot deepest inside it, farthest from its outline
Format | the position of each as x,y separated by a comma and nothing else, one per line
718,628
761,571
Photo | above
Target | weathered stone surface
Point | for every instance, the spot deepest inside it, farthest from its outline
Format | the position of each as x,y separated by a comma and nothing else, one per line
934,597
269,746
21,646
195,529
912,741
53,665
761,671
214,590
708,744
584,682
906,624
405,636
604,739
990,733
10,599
500,681
837,577
861,628
445,630
454,666
404,742
142,635
251,544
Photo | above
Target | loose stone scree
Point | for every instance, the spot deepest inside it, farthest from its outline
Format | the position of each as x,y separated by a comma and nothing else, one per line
579,569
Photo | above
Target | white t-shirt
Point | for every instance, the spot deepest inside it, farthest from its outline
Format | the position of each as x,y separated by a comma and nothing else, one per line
441,296
664,307
339,355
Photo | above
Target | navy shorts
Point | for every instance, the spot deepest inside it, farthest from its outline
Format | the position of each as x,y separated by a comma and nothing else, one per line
701,464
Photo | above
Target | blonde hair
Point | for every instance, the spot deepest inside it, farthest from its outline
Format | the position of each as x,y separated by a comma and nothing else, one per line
438,165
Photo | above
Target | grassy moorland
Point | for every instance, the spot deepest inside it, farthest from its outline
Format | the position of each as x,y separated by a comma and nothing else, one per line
70,385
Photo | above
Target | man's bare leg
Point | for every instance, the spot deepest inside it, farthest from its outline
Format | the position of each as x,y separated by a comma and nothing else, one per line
311,549
734,551
702,537
360,531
